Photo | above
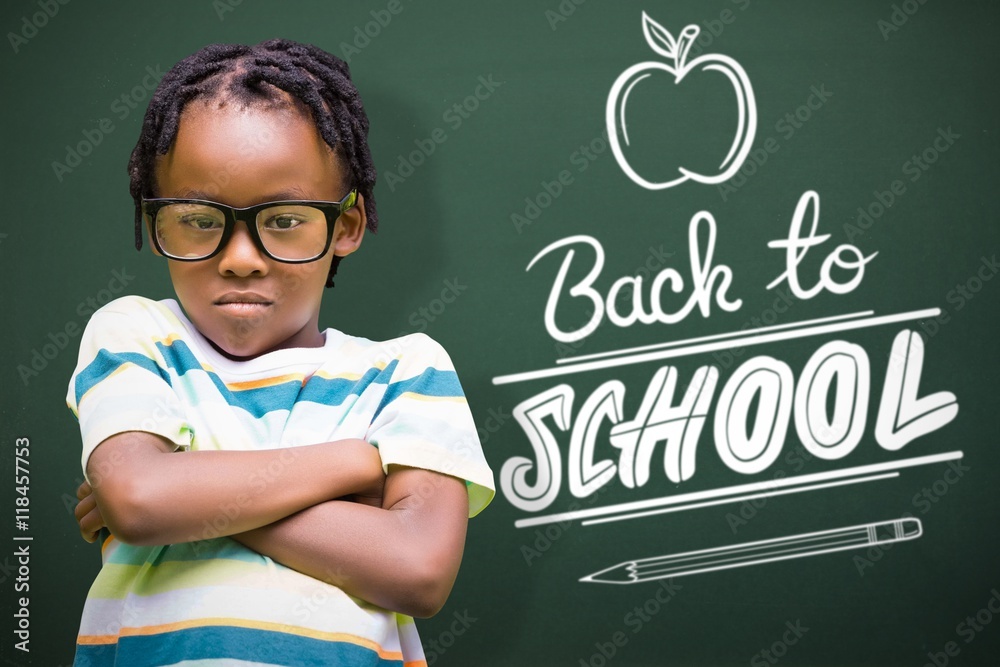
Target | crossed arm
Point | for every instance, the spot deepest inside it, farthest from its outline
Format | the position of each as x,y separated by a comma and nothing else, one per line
326,510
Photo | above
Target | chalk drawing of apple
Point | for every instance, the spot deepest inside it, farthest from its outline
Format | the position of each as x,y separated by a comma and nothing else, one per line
651,74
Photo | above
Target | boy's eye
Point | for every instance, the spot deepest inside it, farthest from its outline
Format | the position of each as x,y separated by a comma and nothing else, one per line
282,222
202,223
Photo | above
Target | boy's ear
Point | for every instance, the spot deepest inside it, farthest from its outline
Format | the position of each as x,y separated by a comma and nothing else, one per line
350,229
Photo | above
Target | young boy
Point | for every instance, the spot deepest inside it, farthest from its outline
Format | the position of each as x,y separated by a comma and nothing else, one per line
275,494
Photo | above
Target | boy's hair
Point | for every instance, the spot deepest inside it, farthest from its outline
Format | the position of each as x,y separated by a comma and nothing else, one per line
242,73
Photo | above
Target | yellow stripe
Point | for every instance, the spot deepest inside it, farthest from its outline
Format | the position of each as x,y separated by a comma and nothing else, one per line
242,623
266,382
95,640
323,375
169,340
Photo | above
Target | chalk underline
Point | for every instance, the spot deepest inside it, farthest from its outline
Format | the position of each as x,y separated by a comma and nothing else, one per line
631,356
633,509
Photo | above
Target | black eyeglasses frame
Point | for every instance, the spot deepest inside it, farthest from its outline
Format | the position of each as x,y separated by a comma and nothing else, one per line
331,209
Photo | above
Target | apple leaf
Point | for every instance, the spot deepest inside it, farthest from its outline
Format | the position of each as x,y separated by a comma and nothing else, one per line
658,37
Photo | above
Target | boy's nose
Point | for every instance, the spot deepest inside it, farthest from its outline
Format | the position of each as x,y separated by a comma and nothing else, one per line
240,256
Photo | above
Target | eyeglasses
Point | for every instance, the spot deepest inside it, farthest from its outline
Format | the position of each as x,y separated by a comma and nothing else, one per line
189,230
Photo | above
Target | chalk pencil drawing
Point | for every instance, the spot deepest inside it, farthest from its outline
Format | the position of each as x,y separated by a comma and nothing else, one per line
756,553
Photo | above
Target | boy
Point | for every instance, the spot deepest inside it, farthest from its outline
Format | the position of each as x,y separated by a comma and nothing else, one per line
275,494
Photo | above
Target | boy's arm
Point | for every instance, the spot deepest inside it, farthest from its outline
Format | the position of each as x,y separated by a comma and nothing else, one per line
403,556
148,494
131,417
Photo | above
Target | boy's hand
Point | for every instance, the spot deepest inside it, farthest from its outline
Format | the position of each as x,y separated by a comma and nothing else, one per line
87,513
373,477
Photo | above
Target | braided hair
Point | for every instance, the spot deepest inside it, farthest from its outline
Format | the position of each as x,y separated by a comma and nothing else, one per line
259,76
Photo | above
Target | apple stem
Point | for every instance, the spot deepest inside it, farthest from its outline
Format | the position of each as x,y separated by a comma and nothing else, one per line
684,43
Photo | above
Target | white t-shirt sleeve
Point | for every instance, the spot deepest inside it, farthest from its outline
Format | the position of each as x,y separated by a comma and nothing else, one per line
121,382
424,420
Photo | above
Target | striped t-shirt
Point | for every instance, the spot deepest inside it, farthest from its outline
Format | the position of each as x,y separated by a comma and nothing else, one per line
144,367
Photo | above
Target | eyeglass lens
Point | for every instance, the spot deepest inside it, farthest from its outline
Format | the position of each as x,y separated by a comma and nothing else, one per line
191,231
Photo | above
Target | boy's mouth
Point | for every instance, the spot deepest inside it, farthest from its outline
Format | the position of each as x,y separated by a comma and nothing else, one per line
243,303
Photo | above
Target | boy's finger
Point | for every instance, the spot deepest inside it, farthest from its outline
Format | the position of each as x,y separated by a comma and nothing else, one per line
84,507
83,490
91,524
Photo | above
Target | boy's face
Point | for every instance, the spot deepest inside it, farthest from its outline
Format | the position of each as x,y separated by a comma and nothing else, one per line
244,302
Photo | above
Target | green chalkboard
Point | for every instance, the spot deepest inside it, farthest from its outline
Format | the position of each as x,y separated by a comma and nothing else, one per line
723,299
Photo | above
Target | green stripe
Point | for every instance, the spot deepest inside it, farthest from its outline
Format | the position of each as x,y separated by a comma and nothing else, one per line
115,581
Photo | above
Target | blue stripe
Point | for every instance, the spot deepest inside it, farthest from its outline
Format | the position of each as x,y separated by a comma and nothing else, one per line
106,363
261,400
220,642
95,656
431,382
178,357
334,391
258,401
